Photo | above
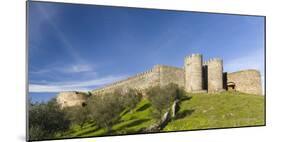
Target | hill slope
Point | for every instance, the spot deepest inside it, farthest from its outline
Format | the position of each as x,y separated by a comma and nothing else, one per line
228,109
200,111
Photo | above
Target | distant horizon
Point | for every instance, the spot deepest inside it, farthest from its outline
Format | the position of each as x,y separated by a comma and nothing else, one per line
84,47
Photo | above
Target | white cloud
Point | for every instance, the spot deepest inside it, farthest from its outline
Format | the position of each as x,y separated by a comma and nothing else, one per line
73,86
40,71
76,68
72,68
68,47
254,60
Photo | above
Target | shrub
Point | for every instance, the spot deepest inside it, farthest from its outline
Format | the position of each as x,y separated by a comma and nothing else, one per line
79,115
162,98
131,98
46,120
105,109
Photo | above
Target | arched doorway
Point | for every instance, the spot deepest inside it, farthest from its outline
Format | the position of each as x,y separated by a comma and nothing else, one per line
231,86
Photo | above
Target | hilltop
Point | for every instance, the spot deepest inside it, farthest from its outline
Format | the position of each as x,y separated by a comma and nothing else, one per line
199,111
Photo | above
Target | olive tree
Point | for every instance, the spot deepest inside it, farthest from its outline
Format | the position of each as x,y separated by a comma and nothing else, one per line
131,98
79,115
105,109
46,120
162,98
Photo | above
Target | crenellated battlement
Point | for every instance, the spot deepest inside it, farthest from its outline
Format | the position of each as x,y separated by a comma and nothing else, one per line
212,60
154,72
215,60
205,63
166,66
195,76
126,81
193,56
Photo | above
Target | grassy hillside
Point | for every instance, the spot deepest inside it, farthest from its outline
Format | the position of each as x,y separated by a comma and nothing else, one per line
200,111
227,109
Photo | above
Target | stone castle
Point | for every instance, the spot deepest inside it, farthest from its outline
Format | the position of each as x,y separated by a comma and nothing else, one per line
196,76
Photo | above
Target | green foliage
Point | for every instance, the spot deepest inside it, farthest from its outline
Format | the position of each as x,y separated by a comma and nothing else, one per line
162,98
79,115
225,109
129,123
46,120
131,98
105,109
198,111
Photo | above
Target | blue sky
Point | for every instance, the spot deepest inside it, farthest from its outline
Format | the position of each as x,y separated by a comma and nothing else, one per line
82,47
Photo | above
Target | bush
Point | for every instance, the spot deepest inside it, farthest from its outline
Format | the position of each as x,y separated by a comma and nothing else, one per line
131,98
162,98
46,120
105,109
78,115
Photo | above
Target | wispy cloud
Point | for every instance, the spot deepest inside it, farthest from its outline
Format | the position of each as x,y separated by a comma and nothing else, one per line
41,71
68,46
254,60
77,68
73,85
71,68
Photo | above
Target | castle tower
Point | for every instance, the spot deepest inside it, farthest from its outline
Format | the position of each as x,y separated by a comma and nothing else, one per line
193,73
215,75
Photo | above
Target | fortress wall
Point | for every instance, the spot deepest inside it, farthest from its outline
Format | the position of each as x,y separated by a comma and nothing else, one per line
247,81
69,99
170,74
158,75
193,73
215,75
140,81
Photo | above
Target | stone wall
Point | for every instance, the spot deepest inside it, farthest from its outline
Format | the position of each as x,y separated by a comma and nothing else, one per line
69,99
214,75
194,77
170,74
193,73
158,75
247,81
140,82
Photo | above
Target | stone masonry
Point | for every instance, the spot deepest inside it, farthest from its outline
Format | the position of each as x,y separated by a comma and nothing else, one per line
196,76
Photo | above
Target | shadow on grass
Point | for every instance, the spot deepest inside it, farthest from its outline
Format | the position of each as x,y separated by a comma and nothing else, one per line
184,113
88,132
131,124
186,98
144,107
125,112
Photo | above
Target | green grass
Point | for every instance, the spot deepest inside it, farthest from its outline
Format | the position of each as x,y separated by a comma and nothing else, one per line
130,122
200,111
227,109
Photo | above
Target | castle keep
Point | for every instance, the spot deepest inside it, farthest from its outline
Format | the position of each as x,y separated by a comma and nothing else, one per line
196,76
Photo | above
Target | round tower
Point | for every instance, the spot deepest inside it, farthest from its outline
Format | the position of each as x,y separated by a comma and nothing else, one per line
193,73
215,75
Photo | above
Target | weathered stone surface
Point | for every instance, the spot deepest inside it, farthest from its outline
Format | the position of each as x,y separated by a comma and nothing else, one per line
69,99
175,108
165,119
247,81
152,128
158,75
193,73
215,72
195,77
170,74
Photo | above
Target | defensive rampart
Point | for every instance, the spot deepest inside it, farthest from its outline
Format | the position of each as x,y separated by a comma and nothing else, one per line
247,81
194,77
158,75
69,99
